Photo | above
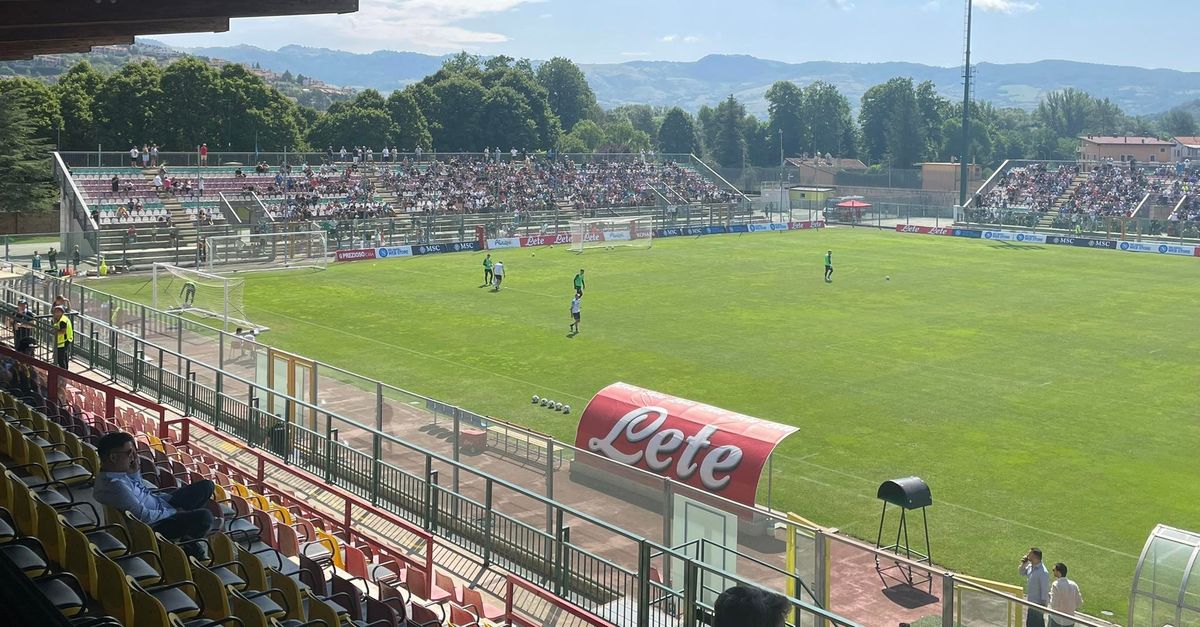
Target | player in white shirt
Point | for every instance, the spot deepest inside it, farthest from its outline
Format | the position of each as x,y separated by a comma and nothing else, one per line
498,275
575,312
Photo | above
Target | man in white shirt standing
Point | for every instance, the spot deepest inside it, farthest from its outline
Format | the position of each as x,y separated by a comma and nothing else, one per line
133,157
1064,596
575,312
497,275
1037,586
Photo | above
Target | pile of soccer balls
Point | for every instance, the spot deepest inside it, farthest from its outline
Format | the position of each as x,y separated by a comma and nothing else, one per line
549,404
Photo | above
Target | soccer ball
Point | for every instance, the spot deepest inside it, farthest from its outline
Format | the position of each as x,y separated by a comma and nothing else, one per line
887,278
558,407
536,399
544,402
566,409
533,254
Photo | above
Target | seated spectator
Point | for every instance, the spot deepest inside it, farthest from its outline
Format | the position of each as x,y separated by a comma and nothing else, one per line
183,515
750,607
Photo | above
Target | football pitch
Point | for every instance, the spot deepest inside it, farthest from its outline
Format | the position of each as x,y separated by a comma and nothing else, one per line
1048,395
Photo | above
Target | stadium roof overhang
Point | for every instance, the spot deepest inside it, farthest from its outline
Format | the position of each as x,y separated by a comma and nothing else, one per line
33,27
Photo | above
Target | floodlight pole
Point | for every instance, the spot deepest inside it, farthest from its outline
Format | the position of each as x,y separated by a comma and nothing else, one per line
781,161
964,168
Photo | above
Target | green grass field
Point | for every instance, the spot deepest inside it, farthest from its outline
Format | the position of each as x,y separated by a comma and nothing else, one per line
1047,394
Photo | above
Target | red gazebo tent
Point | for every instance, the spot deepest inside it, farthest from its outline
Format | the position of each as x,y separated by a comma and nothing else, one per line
856,206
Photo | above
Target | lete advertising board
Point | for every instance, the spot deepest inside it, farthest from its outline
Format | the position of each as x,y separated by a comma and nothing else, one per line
924,230
355,254
546,240
712,449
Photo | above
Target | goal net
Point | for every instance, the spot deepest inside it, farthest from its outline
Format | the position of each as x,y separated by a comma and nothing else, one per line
183,290
635,231
267,251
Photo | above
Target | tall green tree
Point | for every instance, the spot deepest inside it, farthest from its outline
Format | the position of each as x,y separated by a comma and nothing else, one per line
127,106
677,133
729,143
1072,112
187,114
570,96
508,119
831,127
892,125
587,136
249,109
519,76
788,113
1179,123
934,111
408,123
42,103
76,92
762,142
459,114
24,157
621,136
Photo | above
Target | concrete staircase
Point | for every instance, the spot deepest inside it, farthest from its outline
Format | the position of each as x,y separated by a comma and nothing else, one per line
1060,203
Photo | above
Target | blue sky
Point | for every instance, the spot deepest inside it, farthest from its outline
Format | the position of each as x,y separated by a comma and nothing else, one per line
606,31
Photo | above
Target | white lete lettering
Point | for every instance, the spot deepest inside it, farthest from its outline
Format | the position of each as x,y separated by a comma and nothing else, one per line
637,426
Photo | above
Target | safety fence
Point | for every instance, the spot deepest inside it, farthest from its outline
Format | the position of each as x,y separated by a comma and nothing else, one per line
539,508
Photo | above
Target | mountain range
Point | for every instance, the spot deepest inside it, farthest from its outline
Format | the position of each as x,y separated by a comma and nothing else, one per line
1138,91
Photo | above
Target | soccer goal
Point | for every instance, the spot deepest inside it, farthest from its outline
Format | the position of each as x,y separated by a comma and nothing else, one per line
183,290
635,231
267,251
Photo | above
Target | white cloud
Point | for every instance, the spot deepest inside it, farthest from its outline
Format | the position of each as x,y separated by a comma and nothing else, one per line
1006,6
932,6
687,39
545,16
635,54
842,5
421,25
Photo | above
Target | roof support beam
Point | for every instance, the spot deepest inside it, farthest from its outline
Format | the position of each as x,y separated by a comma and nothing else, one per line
28,13
114,29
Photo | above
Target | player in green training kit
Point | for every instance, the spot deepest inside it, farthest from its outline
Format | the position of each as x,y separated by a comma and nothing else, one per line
829,266
579,283
487,270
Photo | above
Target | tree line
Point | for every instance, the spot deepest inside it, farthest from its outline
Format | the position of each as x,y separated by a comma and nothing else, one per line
471,103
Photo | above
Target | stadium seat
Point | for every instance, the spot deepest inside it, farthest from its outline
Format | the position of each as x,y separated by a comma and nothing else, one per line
472,599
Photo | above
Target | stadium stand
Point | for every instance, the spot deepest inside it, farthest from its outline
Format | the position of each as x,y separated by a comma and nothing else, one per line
275,560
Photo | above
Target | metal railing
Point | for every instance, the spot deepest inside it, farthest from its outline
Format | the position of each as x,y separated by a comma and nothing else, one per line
233,404
540,534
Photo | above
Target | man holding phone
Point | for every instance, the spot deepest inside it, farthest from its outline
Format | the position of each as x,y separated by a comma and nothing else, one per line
1037,586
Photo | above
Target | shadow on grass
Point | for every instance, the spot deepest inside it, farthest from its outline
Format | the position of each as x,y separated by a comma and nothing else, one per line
1016,247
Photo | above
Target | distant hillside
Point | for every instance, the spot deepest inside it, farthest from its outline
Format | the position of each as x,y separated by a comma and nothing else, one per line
691,84
309,91
383,70
1138,91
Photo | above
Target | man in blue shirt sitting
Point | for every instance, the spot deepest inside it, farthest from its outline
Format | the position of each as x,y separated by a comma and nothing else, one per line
181,515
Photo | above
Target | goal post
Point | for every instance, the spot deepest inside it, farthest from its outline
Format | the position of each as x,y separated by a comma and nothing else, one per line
184,290
267,251
630,231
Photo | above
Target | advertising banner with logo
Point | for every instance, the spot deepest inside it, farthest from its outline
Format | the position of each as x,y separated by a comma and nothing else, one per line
924,230
504,242
715,230
355,254
545,240
1015,236
1161,248
393,251
1082,242
972,233
712,449
807,224
739,228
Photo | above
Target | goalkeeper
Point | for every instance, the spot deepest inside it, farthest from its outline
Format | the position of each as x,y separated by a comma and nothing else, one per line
188,293
579,283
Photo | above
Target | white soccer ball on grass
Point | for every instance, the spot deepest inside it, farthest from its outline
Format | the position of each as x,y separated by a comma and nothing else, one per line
536,399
